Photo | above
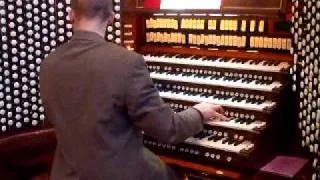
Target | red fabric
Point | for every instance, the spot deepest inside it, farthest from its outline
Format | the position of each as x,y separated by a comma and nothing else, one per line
152,4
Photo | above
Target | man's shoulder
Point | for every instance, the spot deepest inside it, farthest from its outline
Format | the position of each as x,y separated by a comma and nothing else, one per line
120,50
122,54
51,57
55,53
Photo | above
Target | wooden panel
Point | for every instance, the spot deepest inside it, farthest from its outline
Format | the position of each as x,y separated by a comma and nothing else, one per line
274,4
126,4
25,153
272,8
202,168
258,6
220,53
28,141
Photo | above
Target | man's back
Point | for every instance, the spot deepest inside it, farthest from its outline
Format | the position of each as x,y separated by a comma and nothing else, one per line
98,96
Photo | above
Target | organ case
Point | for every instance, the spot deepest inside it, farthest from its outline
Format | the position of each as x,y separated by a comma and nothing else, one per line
240,61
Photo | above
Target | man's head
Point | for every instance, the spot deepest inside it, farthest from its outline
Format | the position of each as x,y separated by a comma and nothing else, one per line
99,11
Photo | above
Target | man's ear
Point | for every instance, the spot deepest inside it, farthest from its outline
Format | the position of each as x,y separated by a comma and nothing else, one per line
110,19
72,15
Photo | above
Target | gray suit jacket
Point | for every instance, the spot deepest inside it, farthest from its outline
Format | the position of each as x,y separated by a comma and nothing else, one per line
99,97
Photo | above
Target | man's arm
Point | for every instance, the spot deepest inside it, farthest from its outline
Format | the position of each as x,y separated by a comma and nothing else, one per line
148,111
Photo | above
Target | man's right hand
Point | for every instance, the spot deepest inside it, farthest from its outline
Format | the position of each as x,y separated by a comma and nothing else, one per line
211,111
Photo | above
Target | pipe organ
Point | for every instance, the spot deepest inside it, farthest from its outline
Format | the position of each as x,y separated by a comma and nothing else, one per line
250,89
30,30
305,74
242,57
241,61
113,32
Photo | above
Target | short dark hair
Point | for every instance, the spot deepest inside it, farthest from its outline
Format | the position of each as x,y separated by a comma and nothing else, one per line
93,8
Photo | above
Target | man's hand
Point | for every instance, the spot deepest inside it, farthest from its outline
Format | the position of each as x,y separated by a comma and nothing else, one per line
211,112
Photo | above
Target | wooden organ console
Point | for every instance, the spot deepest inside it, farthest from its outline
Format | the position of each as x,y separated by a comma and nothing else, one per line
237,56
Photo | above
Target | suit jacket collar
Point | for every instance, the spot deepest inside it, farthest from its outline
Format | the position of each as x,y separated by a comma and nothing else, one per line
87,35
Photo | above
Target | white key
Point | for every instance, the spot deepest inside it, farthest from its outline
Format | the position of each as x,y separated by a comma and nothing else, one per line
214,82
244,146
252,127
218,64
242,104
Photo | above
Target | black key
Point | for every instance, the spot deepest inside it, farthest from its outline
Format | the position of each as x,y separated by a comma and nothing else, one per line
218,138
234,99
203,58
260,102
277,63
237,120
249,121
231,141
210,138
196,75
269,82
257,62
242,121
237,142
225,141
215,138
195,57
206,75
249,101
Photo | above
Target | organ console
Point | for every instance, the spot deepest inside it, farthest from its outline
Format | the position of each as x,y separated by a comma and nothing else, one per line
249,90
237,56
